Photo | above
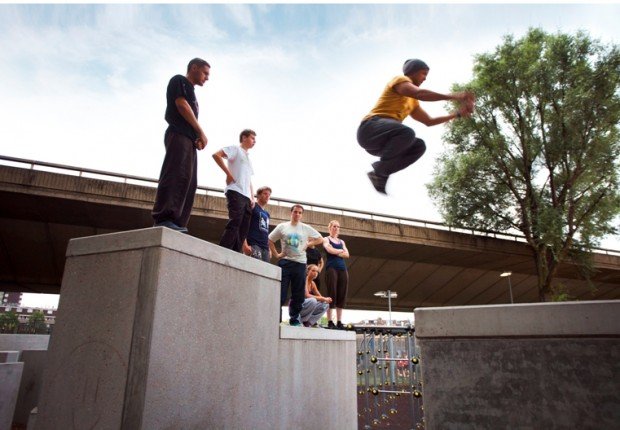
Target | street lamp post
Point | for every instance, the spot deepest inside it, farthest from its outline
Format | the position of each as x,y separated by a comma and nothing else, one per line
388,295
508,275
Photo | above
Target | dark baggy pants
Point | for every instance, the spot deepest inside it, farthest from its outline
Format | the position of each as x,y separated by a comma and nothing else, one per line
239,217
337,284
394,142
177,181
293,274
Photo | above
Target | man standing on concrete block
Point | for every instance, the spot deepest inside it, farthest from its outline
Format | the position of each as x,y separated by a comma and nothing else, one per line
294,237
178,177
257,242
239,190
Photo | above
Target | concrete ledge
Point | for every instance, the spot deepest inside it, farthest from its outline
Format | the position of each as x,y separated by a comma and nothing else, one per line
563,319
10,377
9,356
306,333
173,240
21,342
525,366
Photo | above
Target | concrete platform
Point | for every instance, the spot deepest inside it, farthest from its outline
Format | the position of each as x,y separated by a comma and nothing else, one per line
175,332
535,366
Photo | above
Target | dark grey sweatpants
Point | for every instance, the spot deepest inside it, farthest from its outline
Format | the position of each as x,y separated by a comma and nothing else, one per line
389,139
177,181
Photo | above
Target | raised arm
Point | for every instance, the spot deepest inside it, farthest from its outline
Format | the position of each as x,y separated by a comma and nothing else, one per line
422,116
408,89
314,241
219,157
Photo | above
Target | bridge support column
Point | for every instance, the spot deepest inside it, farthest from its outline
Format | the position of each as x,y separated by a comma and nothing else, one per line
160,330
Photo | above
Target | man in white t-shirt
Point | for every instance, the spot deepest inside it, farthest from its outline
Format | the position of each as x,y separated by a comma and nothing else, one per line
294,237
239,191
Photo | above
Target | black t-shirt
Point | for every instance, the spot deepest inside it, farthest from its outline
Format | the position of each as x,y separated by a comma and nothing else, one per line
313,256
180,86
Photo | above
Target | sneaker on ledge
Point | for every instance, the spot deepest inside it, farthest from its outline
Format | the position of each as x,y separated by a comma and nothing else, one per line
331,325
294,323
171,226
339,326
306,324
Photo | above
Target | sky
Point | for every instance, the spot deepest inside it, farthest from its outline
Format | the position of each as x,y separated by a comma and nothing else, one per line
84,85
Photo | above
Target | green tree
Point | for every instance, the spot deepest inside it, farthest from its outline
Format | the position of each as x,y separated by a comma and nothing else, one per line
9,322
36,322
540,153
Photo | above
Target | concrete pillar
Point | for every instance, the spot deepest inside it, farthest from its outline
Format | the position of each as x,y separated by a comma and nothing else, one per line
160,330
538,366
32,376
10,377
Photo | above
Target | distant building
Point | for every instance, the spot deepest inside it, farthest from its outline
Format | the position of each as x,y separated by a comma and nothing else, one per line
24,313
381,322
11,299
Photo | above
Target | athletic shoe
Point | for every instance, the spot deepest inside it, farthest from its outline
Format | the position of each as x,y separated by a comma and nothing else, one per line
171,226
331,325
294,323
339,326
306,324
379,182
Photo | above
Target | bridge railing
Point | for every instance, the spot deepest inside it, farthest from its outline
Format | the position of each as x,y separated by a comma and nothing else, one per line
278,201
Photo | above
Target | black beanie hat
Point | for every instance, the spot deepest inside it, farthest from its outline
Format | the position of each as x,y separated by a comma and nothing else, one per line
413,65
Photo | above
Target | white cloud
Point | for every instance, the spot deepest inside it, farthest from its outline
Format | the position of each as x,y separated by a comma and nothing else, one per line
242,16
90,92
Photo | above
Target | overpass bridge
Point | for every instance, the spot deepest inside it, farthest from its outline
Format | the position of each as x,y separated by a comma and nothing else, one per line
43,205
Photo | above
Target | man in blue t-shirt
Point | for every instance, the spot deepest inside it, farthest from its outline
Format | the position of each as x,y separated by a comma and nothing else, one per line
257,242
178,177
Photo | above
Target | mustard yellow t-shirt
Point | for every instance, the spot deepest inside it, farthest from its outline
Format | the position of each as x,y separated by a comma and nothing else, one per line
393,105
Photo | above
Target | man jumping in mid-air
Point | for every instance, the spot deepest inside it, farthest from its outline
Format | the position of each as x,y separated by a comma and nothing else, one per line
382,133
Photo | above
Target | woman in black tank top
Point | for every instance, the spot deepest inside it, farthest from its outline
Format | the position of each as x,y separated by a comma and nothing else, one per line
336,274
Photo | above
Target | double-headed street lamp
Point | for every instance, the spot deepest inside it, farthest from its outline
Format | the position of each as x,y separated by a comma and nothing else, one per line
387,295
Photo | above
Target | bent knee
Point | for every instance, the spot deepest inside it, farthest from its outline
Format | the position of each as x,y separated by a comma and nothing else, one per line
421,145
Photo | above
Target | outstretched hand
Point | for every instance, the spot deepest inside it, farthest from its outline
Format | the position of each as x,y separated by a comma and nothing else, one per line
466,103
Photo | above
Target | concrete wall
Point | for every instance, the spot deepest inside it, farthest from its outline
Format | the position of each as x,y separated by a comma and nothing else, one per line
190,339
21,342
535,366
30,351
10,376
30,386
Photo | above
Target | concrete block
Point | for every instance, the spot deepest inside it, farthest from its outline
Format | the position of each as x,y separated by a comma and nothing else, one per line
20,342
546,365
10,377
593,318
317,379
175,332
32,376
9,356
